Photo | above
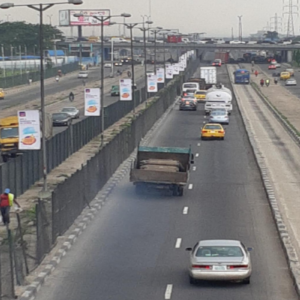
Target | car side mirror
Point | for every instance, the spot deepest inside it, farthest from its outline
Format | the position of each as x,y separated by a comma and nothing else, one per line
249,249
188,249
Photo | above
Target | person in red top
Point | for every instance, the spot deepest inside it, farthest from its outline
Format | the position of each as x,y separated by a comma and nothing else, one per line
256,73
5,205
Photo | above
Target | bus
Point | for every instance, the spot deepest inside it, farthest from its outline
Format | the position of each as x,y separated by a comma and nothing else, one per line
242,76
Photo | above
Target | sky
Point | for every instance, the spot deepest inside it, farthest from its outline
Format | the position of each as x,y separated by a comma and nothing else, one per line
214,17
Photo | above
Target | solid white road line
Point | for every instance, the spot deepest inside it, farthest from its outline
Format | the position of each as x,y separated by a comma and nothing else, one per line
178,243
197,154
185,210
168,292
190,186
194,168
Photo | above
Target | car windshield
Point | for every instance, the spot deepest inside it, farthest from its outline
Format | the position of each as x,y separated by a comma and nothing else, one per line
219,251
82,73
69,109
61,116
216,127
10,132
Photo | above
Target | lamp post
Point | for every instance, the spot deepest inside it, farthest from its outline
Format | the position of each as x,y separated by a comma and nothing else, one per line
41,8
102,19
144,29
155,31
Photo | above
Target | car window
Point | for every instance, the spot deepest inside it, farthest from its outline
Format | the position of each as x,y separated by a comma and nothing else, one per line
219,251
212,127
201,93
68,109
218,113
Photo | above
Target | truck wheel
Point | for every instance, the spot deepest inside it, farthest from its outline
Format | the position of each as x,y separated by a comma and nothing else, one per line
5,158
175,191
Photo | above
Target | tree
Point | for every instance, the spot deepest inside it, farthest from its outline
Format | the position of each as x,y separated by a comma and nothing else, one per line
296,57
18,34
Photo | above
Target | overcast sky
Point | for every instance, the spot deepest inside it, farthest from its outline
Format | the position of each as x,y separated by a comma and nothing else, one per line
215,17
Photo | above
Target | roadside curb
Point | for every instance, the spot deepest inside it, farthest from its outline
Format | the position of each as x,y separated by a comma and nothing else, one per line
88,214
289,250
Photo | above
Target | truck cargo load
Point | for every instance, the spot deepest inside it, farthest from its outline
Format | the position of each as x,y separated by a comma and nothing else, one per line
224,56
163,168
201,82
209,74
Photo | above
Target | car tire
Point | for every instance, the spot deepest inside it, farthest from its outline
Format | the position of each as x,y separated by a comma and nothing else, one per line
246,281
192,280
180,191
202,138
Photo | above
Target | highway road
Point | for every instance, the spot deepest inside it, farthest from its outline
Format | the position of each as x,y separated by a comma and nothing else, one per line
129,251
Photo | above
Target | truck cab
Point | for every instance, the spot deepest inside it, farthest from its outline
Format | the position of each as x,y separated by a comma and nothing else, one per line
9,136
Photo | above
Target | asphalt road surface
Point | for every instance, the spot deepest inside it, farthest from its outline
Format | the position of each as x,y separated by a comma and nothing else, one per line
129,251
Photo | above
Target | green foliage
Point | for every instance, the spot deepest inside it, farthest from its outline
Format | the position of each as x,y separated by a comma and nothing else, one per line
296,57
18,34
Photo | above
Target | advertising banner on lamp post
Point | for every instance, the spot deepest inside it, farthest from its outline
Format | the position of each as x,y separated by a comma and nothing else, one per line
29,130
152,84
92,105
175,69
169,72
160,73
125,89
181,66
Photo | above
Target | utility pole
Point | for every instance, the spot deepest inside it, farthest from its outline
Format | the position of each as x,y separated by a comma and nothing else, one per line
277,23
290,10
240,28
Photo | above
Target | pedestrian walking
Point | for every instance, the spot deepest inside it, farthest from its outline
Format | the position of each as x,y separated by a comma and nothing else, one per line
7,199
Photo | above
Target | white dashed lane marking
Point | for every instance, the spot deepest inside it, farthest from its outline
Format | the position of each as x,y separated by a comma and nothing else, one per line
190,186
197,154
198,144
178,243
185,210
194,168
168,292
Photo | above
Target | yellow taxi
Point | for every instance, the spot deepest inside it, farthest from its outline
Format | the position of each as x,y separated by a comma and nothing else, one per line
2,94
212,130
285,75
200,95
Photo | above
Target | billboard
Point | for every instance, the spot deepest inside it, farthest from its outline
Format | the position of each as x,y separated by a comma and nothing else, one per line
92,105
29,130
160,73
152,84
67,18
125,90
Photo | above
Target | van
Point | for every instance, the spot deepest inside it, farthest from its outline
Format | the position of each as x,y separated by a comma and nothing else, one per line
190,85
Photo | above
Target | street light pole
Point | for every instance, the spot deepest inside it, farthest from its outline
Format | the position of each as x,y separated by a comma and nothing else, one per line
102,19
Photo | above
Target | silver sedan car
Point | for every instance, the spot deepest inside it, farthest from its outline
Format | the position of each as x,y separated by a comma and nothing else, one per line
220,260
73,112
219,116
291,81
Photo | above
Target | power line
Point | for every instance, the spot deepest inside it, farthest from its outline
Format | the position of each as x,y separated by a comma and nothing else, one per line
290,9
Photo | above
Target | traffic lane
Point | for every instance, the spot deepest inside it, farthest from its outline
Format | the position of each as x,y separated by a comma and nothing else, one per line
293,89
67,83
108,101
129,251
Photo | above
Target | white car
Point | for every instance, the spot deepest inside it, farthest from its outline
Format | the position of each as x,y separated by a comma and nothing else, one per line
220,260
277,65
83,74
71,111
290,82
118,63
201,42
236,42
107,65
252,42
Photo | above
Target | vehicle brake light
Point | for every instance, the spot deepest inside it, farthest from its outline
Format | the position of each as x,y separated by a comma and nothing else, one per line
221,131
238,267
201,267
204,131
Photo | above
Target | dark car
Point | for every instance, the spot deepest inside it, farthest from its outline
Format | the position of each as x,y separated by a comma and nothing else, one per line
189,103
61,119
276,74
